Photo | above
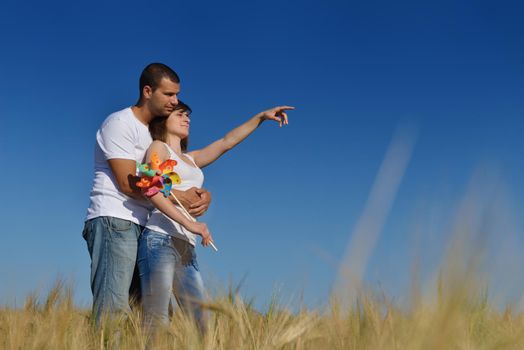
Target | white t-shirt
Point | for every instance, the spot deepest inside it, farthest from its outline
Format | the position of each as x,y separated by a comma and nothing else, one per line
121,136
190,176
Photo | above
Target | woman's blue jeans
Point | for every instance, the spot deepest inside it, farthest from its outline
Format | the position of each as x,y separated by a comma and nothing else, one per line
168,266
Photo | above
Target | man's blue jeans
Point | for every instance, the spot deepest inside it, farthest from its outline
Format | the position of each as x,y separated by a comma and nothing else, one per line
166,263
112,245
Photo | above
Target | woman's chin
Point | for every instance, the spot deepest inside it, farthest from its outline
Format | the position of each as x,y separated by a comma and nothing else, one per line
183,135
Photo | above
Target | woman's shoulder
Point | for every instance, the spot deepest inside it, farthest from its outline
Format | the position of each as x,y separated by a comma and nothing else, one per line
160,148
157,144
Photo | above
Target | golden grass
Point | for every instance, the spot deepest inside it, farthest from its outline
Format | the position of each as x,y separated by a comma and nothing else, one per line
458,315
459,318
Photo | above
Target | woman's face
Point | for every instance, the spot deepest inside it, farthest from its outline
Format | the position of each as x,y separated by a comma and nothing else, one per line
178,123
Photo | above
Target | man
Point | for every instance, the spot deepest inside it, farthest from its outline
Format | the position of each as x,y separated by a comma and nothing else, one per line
117,211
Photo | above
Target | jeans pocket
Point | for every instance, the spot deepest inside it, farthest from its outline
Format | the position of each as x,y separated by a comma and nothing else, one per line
119,225
157,241
84,231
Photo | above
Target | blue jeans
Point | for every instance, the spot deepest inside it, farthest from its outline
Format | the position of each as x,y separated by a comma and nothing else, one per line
112,245
168,264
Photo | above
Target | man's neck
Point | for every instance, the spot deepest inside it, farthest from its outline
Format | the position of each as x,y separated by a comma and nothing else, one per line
142,113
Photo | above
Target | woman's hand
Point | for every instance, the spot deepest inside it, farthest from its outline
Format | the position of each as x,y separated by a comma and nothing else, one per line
200,229
277,114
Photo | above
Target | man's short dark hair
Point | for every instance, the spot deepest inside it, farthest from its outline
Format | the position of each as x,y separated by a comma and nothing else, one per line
153,74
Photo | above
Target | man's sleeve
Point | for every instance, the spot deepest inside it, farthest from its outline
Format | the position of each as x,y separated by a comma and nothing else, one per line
116,139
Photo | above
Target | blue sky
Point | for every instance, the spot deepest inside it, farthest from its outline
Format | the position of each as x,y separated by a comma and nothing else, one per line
286,201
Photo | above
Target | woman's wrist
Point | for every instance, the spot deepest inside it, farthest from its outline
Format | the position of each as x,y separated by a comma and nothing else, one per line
186,223
260,117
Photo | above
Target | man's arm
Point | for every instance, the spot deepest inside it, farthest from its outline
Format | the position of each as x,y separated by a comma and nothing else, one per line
117,139
195,200
124,171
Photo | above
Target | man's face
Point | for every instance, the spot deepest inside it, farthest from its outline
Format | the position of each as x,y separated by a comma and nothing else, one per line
163,100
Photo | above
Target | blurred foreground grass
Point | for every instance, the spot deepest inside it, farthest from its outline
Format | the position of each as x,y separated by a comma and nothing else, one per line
459,318
456,311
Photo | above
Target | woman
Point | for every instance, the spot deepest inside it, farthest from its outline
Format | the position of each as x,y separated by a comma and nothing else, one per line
166,249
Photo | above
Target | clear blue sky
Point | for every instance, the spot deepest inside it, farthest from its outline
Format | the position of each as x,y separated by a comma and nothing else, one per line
286,201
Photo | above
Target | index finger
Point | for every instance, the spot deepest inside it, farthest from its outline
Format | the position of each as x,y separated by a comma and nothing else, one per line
285,108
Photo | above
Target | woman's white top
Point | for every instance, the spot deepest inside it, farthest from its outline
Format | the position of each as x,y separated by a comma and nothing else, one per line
191,176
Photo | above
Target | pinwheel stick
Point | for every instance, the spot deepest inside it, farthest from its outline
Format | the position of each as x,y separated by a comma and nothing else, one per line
186,213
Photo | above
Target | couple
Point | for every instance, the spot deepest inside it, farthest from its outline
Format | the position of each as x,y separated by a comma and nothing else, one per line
124,227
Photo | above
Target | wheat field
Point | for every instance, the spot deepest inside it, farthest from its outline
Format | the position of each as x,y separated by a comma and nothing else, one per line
455,311
456,319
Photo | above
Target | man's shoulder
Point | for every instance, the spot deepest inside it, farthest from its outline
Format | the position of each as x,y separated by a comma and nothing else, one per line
122,114
119,119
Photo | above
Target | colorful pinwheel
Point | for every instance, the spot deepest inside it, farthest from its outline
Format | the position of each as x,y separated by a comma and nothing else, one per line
160,177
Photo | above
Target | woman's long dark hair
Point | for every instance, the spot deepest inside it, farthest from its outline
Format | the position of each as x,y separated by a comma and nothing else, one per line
158,130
